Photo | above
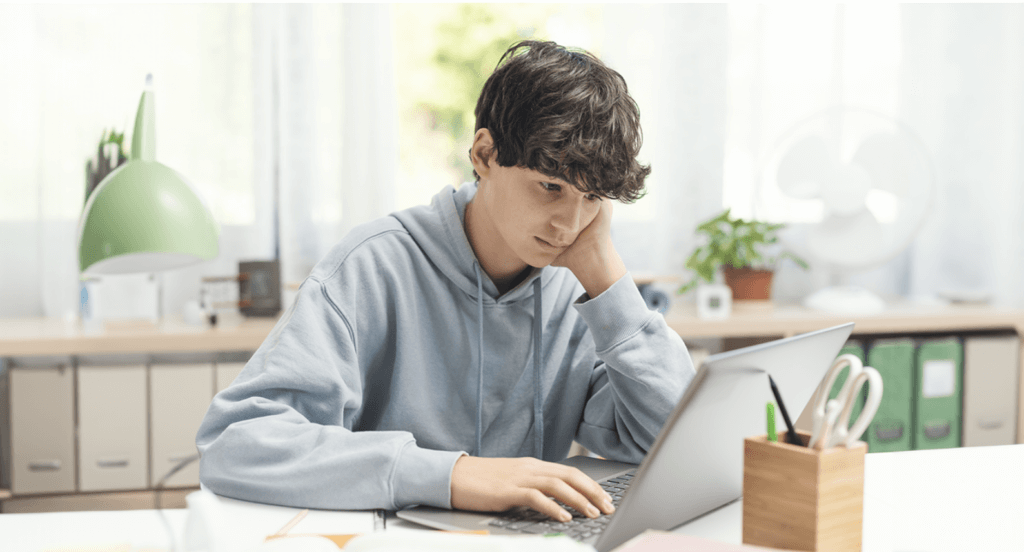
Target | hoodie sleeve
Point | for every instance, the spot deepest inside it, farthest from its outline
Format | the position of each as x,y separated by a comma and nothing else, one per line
281,434
642,371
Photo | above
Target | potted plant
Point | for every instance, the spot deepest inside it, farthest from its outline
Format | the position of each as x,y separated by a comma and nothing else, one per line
738,246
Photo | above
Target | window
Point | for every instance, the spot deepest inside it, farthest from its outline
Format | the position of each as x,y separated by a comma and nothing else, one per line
70,72
443,55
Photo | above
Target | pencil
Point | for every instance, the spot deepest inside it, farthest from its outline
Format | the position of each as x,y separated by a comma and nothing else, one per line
772,437
791,436
291,524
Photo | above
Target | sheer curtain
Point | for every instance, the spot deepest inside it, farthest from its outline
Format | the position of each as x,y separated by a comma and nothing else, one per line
328,95
674,60
293,106
280,115
962,87
951,72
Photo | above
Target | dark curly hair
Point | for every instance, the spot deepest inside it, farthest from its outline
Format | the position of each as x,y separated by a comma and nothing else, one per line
567,115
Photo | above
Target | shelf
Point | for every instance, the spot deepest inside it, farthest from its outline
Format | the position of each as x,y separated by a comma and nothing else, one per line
47,336
763,319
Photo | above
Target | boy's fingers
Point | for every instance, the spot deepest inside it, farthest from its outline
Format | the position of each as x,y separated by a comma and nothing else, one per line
539,501
591,489
568,495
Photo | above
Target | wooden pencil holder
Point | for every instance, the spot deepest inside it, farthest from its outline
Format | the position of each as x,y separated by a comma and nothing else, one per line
800,498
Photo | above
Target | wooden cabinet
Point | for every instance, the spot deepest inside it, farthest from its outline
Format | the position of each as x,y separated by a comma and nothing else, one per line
42,426
179,396
112,432
94,420
226,372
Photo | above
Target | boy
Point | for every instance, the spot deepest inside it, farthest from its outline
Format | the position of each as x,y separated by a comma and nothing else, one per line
436,356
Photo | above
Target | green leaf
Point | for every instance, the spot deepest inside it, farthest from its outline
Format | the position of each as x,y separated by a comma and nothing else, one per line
734,242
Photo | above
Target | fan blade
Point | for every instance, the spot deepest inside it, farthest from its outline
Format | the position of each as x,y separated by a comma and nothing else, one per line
852,241
804,167
893,162
845,193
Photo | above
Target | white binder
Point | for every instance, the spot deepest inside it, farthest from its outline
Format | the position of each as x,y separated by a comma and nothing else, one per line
991,368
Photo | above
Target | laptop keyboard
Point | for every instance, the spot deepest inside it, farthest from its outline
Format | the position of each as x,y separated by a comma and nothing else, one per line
580,527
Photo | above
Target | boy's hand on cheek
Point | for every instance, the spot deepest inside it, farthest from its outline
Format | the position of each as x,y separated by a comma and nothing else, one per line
497,484
592,258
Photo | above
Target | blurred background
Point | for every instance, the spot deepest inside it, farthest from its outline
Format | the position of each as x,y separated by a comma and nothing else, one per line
350,112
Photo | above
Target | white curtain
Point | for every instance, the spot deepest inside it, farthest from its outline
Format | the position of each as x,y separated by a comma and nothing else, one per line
952,73
674,60
259,105
330,133
962,88
293,105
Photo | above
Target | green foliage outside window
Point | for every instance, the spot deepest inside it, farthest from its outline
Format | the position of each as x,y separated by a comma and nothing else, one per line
469,46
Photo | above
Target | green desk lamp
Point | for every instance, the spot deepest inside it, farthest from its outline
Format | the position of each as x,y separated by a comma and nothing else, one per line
144,216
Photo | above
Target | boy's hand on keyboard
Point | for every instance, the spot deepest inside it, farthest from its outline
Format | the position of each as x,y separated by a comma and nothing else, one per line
497,484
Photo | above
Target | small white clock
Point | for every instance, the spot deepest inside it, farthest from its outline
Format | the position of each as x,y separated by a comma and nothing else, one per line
714,301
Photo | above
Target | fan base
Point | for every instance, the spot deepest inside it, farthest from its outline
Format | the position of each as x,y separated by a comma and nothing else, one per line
845,300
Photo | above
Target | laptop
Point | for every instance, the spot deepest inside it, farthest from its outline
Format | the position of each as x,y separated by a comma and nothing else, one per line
696,463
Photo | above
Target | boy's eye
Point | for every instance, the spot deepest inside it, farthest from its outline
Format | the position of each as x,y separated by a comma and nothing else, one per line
593,197
551,187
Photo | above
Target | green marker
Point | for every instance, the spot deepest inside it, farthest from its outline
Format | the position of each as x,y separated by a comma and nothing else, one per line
772,437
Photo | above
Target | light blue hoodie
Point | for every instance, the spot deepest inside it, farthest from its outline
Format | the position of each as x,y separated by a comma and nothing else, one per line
399,356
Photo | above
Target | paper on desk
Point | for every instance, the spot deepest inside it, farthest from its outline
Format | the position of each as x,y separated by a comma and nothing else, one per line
663,541
421,541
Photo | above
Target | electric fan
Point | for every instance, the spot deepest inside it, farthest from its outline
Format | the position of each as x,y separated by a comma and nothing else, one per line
860,184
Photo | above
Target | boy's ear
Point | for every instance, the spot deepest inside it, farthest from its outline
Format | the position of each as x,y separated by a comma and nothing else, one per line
482,152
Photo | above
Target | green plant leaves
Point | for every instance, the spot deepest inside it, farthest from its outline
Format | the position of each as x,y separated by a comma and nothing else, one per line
734,242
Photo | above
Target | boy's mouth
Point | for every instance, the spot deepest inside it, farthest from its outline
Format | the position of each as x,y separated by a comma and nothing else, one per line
549,245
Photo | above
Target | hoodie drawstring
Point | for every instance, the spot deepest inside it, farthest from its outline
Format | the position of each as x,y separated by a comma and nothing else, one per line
480,359
538,351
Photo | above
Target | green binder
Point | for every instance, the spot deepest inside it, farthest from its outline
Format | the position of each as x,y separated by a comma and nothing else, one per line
892,428
939,393
852,347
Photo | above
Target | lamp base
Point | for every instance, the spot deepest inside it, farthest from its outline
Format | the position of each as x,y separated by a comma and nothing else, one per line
845,300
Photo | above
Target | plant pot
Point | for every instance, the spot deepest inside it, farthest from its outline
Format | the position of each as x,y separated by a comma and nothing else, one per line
749,284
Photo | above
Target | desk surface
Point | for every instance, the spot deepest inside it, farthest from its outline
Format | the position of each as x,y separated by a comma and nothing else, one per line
938,500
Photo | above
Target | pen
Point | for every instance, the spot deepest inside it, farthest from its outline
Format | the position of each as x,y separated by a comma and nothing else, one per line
294,521
791,436
772,437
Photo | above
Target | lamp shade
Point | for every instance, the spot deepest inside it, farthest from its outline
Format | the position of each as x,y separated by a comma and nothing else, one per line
144,216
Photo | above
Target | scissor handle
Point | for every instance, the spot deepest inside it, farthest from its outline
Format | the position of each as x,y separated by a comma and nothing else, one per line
839,433
841,363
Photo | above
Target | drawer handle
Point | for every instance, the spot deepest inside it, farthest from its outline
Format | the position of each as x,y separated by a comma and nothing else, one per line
990,424
44,465
116,463
937,430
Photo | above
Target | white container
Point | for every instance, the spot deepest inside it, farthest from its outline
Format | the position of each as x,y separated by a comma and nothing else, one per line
714,301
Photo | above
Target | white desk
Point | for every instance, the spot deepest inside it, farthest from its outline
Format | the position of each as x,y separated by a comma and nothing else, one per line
955,499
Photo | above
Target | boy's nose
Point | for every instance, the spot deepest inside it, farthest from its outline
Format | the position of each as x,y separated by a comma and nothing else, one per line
568,220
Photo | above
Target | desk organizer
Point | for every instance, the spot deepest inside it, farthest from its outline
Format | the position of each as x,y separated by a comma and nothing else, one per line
800,498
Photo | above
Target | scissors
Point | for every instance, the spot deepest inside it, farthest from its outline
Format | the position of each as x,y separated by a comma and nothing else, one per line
832,416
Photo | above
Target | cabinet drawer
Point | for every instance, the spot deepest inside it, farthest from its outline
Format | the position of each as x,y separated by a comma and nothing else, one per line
42,429
179,397
112,428
226,373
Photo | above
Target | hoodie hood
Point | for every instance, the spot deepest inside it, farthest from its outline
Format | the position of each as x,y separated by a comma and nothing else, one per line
439,230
